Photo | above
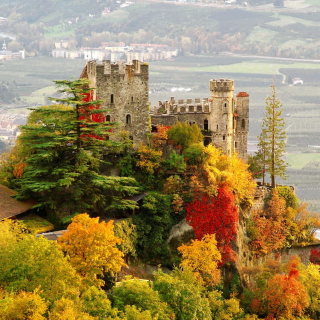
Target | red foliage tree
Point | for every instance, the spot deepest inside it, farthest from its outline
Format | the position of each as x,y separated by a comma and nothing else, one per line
215,215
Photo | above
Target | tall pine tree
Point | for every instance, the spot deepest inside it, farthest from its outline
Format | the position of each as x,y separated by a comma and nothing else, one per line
272,138
65,148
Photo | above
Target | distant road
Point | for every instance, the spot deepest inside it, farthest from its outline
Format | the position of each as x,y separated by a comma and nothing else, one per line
268,58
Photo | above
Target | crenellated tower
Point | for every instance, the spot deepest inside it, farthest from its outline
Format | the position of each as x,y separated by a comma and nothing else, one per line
221,116
224,120
124,88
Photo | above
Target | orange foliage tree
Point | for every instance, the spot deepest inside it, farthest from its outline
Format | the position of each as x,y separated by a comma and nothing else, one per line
202,257
91,247
285,295
159,139
268,229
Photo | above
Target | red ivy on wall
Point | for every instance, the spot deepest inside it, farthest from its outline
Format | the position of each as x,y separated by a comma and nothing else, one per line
215,215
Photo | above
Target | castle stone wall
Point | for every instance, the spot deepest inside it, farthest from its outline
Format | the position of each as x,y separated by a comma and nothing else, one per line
124,89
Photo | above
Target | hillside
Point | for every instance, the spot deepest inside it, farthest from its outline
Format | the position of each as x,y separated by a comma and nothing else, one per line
196,28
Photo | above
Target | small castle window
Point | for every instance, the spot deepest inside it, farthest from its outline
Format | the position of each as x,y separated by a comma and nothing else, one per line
205,125
225,104
128,119
224,138
235,144
217,127
112,98
243,123
132,99
226,127
108,118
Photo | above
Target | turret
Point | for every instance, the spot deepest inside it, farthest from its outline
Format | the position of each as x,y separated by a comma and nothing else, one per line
221,120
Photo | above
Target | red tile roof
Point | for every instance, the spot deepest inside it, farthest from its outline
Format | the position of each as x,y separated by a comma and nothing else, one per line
9,206
242,94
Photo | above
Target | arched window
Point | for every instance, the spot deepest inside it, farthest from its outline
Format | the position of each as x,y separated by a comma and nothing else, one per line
205,125
236,144
225,104
132,99
108,118
128,119
224,138
243,123
112,98
217,127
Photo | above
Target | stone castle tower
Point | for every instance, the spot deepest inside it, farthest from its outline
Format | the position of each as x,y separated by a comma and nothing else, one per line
224,121
125,92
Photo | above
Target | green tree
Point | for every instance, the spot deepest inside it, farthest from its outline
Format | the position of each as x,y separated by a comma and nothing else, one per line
141,294
184,294
65,154
184,134
272,138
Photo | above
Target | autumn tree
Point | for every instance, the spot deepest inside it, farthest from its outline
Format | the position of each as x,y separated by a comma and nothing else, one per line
285,295
91,247
182,291
184,134
268,228
310,277
272,138
215,215
22,305
33,262
131,292
202,257
65,152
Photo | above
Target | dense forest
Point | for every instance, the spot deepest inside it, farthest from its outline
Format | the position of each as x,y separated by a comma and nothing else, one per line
71,165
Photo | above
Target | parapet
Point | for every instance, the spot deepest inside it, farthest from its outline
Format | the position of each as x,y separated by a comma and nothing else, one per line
183,106
222,85
106,68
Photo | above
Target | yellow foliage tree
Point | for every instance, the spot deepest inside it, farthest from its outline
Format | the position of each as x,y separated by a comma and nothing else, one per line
22,306
202,257
66,309
310,278
91,247
10,231
224,309
233,172
149,158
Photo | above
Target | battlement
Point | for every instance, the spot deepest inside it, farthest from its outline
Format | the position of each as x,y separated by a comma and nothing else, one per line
106,68
222,85
183,106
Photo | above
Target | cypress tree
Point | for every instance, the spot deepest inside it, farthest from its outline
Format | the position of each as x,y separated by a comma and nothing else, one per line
271,141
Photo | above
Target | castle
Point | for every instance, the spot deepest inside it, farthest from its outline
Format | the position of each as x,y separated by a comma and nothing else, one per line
223,119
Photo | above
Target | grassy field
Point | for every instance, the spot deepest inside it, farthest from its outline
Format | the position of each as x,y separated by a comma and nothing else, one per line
300,160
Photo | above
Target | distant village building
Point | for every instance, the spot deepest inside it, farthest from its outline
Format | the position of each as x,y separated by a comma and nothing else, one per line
223,119
9,55
9,126
141,52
